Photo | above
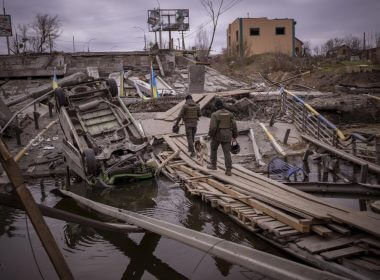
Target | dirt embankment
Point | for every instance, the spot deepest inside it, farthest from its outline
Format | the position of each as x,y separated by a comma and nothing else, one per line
325,74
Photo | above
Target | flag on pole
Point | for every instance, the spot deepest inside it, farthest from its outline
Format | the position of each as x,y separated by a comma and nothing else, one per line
55,81
153,82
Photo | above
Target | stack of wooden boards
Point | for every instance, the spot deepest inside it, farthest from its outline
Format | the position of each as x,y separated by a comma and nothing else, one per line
282,212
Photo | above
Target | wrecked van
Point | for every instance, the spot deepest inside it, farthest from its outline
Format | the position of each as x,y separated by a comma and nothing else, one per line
103,144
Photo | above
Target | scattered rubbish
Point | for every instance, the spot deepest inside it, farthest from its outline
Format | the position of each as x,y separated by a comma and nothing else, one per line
48,148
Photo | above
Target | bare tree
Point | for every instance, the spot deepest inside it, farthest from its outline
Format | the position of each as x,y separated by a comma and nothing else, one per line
331,44
46,30
202,43
20,40
353,42
307,49
214,13
317,51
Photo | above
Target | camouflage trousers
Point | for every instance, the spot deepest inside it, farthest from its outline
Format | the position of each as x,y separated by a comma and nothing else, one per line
190,135
226,146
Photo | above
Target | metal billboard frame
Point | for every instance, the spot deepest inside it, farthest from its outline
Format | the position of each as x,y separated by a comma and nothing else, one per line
168,20
5,26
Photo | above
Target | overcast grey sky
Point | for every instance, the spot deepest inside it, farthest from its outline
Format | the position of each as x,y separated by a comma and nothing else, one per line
111,22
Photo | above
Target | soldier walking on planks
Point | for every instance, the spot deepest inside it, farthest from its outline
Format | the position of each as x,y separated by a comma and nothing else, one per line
222,129
190,114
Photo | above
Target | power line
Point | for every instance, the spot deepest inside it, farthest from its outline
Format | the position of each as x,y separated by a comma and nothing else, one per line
229,6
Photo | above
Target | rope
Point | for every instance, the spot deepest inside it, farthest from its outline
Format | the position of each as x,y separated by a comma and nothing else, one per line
204,255
31,247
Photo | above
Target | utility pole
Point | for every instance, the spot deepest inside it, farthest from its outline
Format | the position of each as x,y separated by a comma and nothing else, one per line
73,45
183,41
50,43
160,29
9,51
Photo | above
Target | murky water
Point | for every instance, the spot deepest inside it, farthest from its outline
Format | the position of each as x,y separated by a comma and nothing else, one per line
95,254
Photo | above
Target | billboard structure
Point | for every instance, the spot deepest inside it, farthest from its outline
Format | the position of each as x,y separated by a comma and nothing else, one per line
168,20
5,26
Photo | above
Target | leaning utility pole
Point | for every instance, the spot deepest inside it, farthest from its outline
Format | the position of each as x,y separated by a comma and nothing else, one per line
15,177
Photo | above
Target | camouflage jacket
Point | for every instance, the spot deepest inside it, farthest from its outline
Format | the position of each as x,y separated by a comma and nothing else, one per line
222,134
189,122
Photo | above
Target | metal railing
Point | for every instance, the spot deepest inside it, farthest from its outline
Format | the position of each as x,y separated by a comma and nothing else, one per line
312,123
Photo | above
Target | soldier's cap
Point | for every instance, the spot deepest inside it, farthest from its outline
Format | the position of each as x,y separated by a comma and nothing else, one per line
218,103
188,97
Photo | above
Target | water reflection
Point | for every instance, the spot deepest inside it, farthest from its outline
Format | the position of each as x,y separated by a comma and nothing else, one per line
102,254
8,216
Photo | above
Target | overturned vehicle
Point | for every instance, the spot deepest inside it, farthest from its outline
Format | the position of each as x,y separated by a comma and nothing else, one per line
103,143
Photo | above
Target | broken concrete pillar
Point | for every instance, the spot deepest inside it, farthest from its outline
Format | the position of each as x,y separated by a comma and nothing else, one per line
196,78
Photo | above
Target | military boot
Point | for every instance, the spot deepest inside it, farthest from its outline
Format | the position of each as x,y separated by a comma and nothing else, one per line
212,167
228,172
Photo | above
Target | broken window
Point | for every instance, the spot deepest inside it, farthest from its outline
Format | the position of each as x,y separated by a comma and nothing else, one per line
280,30
229,41
254,31
237,36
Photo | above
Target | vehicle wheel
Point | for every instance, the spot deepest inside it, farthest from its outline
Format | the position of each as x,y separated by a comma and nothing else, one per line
60,97
90,162
112,86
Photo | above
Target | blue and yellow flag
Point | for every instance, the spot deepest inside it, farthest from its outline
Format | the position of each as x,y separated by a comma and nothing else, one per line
153,82
55,80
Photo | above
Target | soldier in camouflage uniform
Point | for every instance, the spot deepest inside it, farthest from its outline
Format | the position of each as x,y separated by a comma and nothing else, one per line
190,114
222,129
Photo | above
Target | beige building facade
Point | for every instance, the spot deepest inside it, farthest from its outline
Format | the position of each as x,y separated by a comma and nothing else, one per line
250,36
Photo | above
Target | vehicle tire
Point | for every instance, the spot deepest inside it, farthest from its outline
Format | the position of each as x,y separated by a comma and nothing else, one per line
60,97
90,163
112,86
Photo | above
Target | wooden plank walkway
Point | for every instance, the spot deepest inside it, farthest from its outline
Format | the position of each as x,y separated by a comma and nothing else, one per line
318,232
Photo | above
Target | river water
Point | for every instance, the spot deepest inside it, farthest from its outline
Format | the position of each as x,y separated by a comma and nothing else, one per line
95,254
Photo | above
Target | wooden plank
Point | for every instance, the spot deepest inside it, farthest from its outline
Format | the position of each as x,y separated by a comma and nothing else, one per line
371,242
321,230
178,107
343,253
258,157
272,225
275,213
160,66
196,97
365,264
340,229
276,198
371,259
328,245
276,190
369,225
288,233
293,202
206,100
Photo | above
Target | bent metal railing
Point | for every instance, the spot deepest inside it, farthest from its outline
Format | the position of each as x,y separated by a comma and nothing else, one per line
311,122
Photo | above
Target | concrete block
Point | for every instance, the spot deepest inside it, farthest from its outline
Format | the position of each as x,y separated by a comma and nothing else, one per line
196,78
